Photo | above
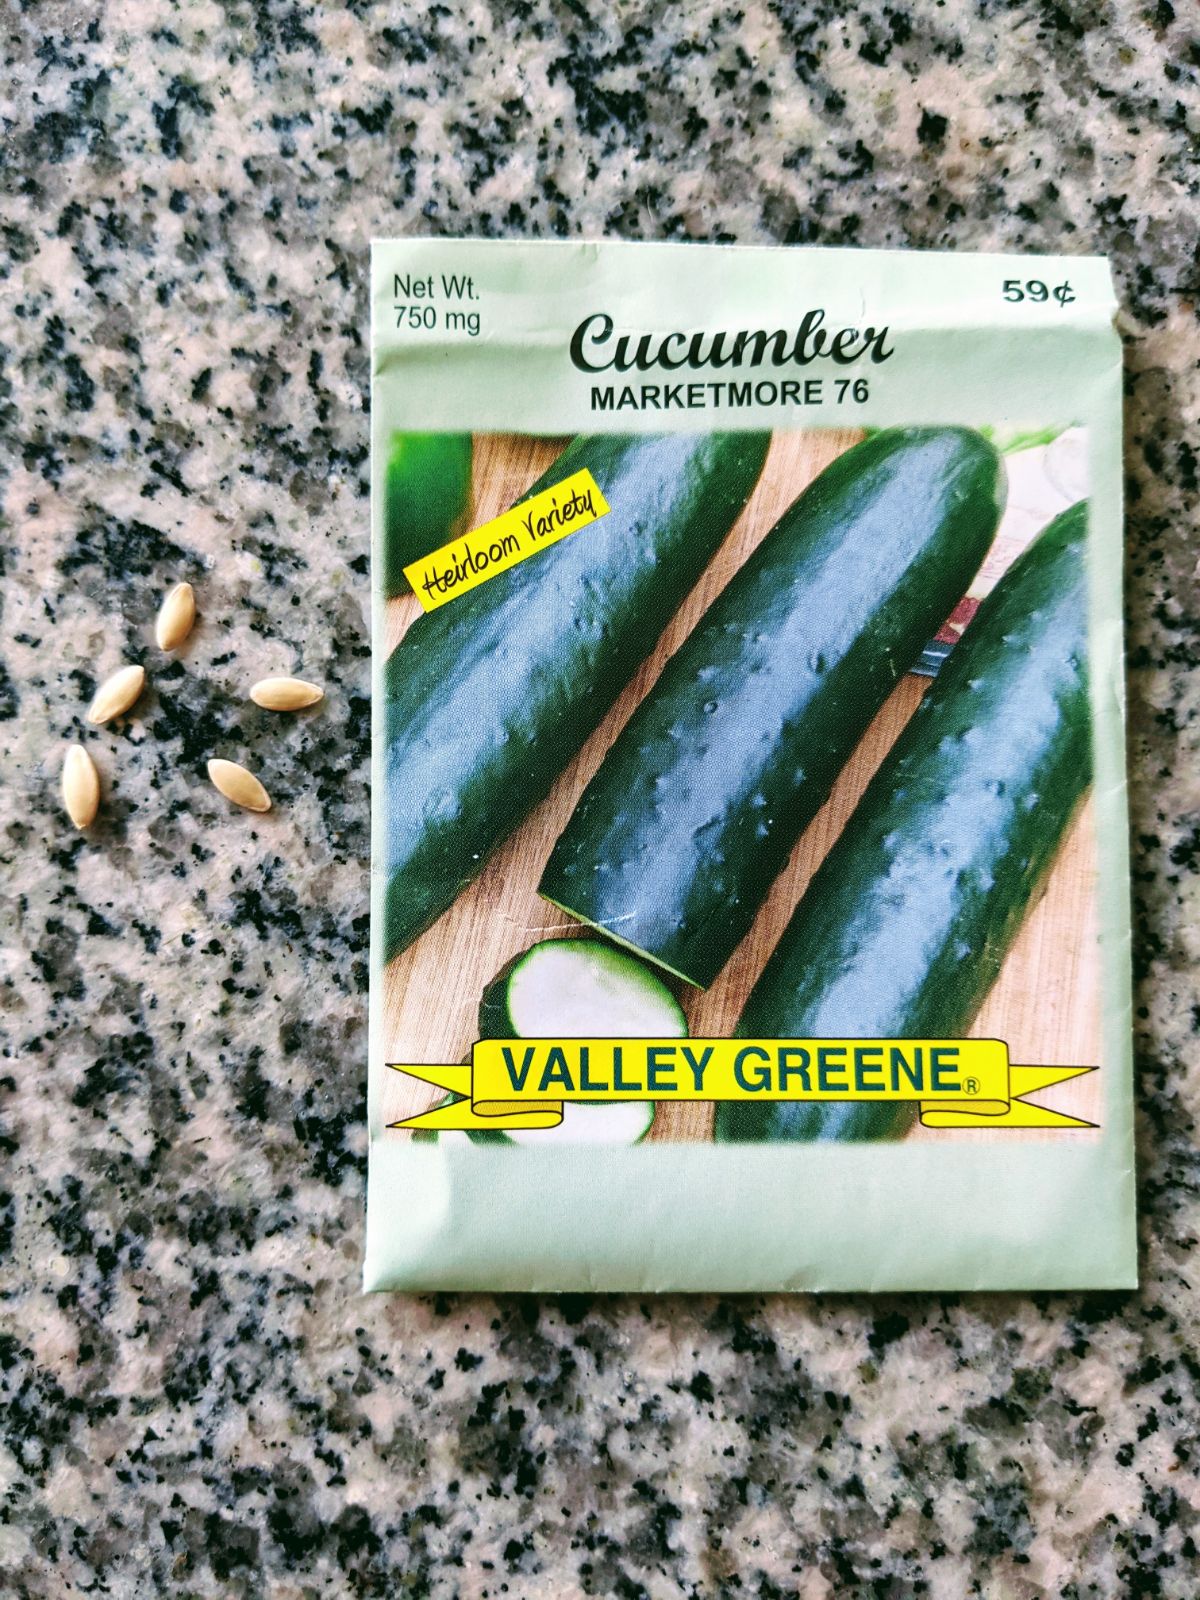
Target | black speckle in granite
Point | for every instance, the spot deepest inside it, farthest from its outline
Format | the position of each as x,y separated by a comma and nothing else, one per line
931,130
182,103
116,551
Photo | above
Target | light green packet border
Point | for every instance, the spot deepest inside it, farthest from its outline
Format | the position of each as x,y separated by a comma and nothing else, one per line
1004,1214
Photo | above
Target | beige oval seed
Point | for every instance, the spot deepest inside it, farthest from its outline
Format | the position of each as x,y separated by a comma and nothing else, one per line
116,694
175,617
285,694
80,786
238,785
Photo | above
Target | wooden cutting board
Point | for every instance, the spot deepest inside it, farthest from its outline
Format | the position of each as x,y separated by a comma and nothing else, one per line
1045,1003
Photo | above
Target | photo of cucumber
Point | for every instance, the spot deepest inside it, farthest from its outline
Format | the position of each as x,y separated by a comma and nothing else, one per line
696,807
577,989
488,698
905,926
1045,1001
426,499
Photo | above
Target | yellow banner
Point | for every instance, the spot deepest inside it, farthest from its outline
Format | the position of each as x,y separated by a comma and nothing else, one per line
524,1083
513,536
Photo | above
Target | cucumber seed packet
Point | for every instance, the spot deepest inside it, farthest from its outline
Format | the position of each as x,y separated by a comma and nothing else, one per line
749,878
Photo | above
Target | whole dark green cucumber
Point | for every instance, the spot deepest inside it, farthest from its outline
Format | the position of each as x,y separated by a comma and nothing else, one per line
490,696
426,499
905,925
692,814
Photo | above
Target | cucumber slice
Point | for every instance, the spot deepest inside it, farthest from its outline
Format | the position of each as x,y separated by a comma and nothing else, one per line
581,989
622,1122
577,989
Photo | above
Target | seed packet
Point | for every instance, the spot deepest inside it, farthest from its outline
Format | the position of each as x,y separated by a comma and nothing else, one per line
749,879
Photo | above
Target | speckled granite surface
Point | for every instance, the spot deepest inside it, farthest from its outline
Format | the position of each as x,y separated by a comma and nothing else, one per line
195,1399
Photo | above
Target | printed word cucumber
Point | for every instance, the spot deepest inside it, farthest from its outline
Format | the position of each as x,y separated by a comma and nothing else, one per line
906,923
489,698
693,812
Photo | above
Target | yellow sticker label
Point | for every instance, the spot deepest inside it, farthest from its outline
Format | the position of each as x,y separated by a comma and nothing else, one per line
957,1083
515,535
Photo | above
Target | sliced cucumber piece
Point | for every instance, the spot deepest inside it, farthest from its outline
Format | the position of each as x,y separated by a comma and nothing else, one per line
621,1122
579,989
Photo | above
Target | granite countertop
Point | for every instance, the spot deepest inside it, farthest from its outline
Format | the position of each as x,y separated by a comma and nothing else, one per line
194,1398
